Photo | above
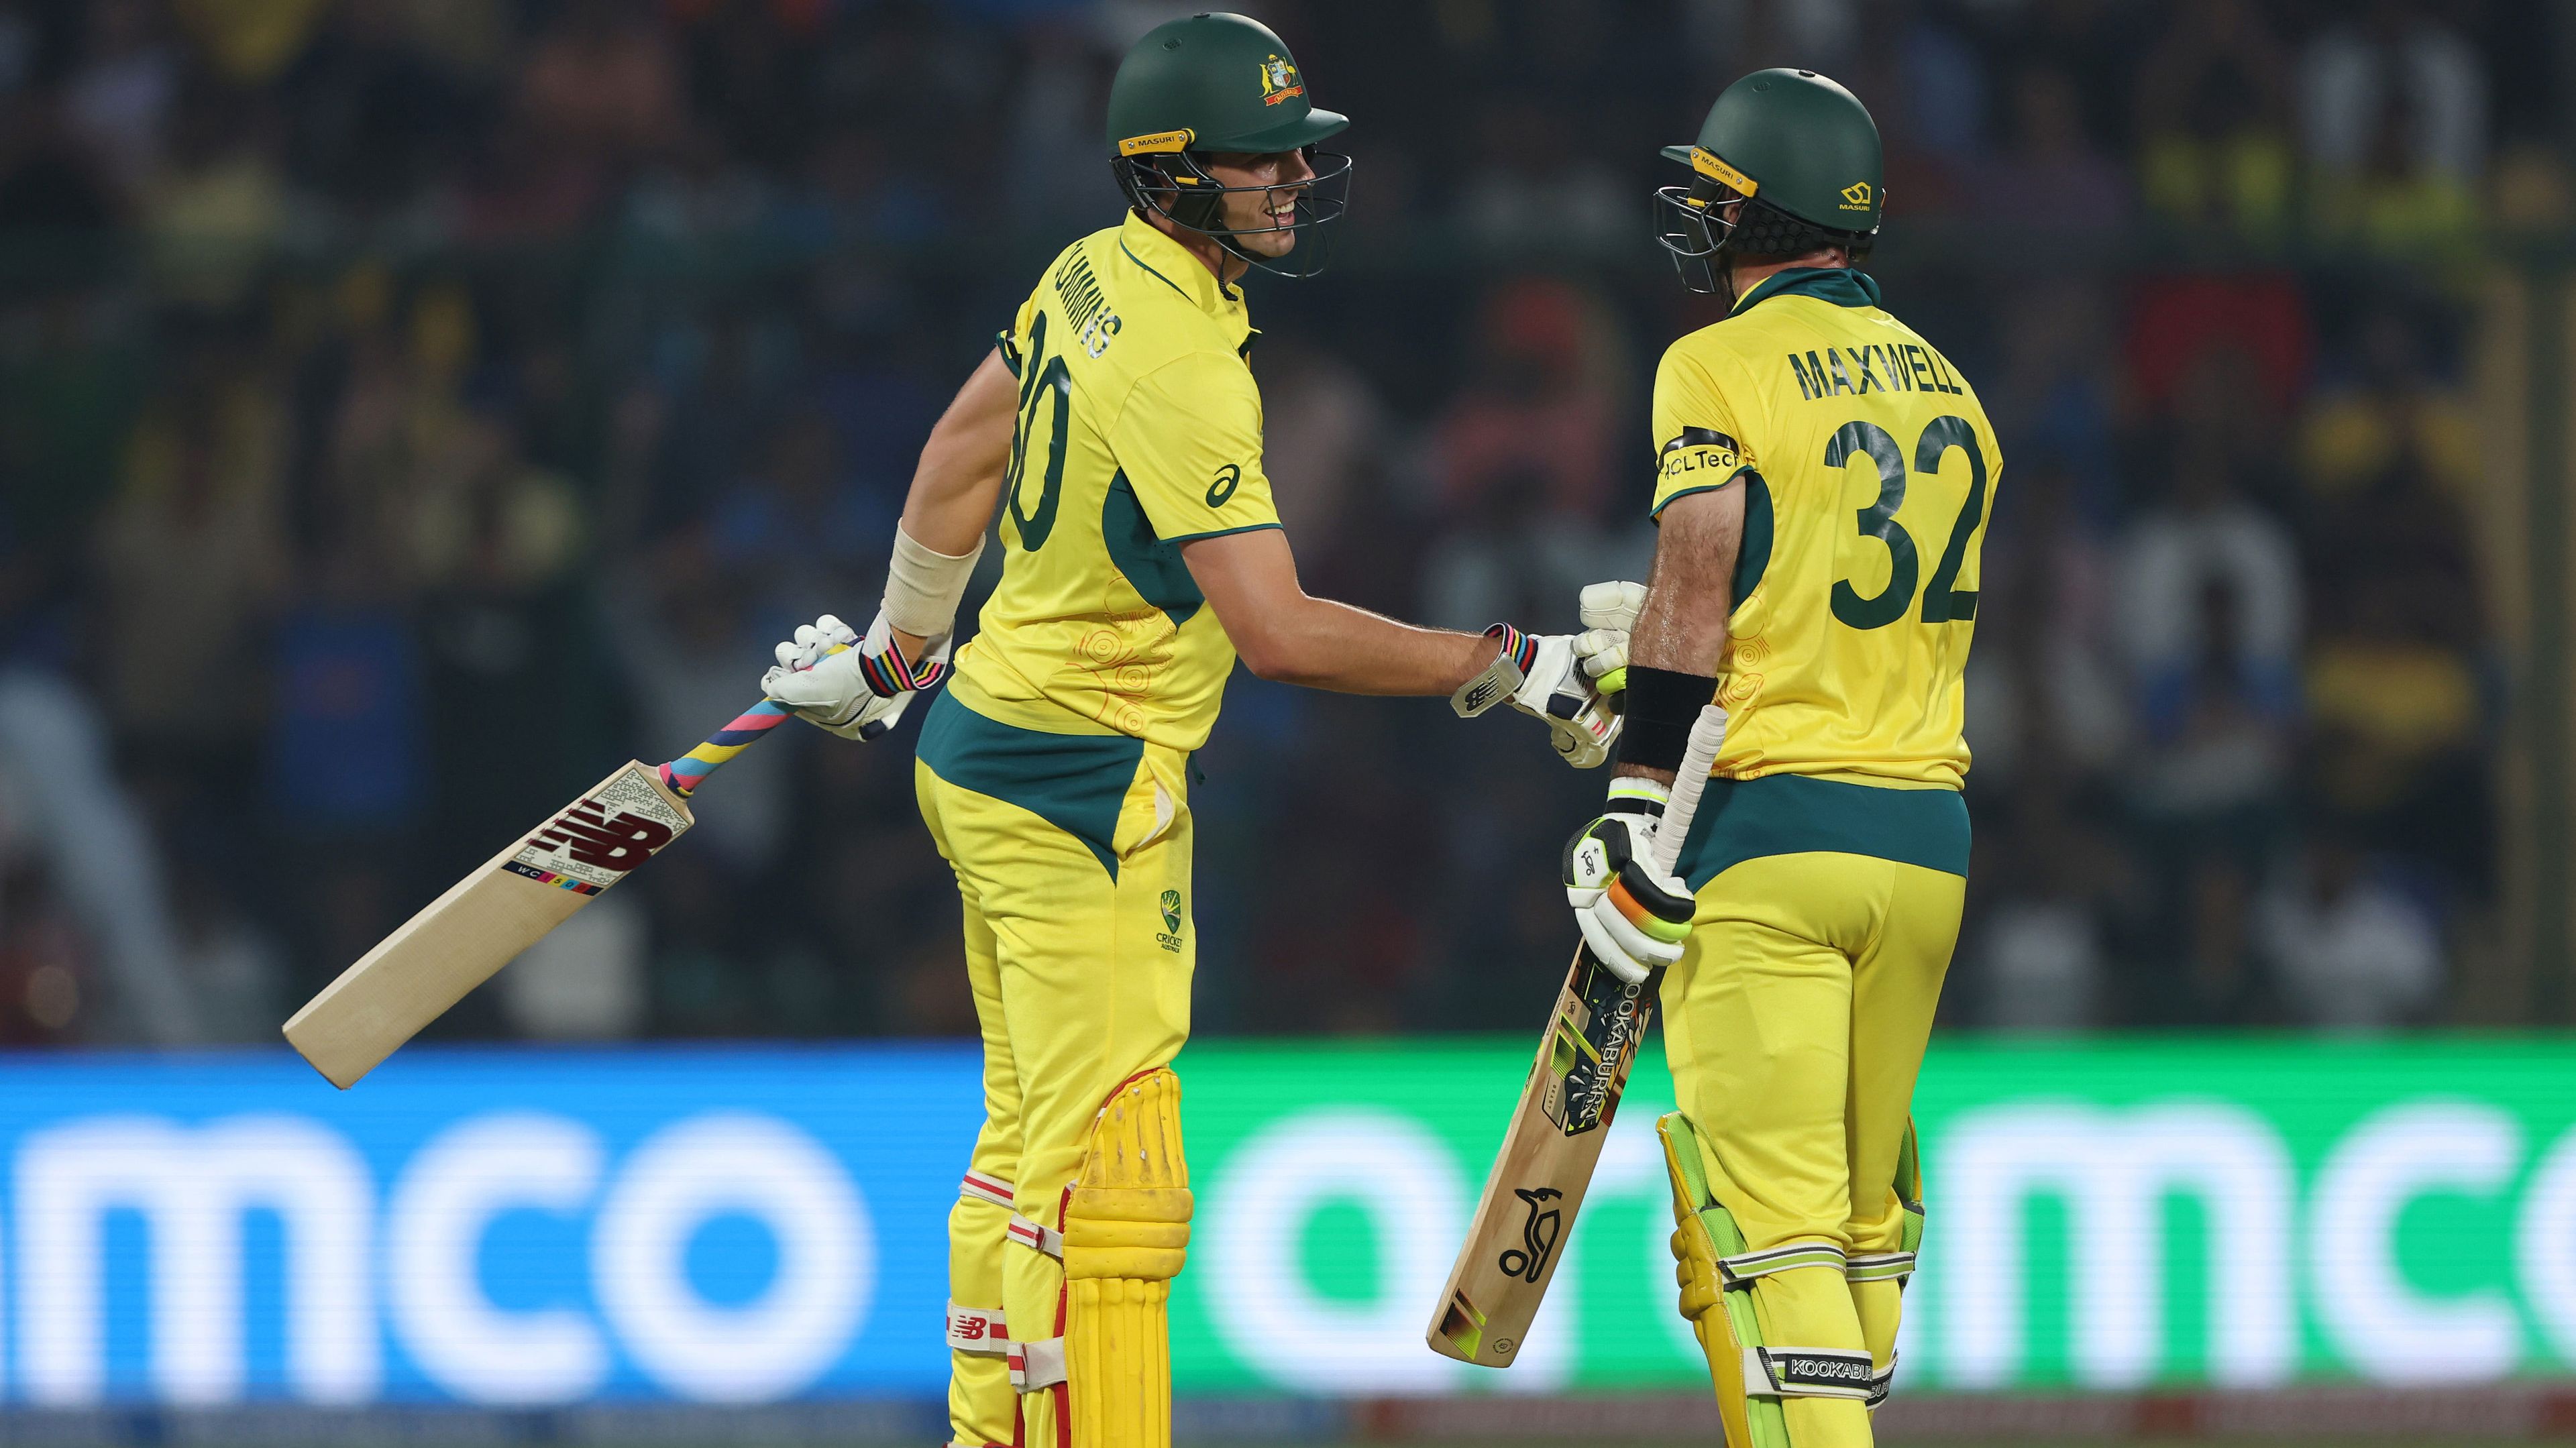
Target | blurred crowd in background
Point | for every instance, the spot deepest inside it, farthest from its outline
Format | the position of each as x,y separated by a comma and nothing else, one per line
409,409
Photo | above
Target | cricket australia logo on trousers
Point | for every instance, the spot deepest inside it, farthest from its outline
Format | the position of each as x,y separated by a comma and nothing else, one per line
1170,935
1538,1234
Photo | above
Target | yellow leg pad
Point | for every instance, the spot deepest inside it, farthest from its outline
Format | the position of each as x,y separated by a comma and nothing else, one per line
1126,1235
1723,1321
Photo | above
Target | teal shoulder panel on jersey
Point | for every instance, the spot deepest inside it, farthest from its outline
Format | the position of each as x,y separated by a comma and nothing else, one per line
1075,782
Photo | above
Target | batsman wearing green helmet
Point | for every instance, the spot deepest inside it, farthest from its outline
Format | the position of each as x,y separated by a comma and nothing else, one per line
1823,479
1116,427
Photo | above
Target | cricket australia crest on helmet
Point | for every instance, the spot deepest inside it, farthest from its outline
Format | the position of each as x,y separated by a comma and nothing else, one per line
1279,80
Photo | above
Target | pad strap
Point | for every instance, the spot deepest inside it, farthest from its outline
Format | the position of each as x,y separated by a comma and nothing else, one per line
986,1189
1879,1266
978,1330
1030,1234
1882,1383
1739,1272
1808,1372
1038,1365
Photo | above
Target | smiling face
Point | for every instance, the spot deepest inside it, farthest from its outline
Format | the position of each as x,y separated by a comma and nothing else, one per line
1262,212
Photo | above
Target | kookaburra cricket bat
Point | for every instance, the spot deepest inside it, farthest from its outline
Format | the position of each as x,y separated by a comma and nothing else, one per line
1565,1111
464,937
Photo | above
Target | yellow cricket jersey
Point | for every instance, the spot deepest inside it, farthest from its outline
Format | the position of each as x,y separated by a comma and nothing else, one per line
1869,471
1139,429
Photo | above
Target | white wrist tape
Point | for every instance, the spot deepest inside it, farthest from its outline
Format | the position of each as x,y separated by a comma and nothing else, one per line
923,586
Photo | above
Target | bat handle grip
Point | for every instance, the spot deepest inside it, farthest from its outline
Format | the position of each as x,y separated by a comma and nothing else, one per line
683,775
1699,756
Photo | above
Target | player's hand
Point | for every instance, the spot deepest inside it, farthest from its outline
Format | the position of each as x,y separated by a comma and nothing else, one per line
855,687
1609,614
1540,675
1634,917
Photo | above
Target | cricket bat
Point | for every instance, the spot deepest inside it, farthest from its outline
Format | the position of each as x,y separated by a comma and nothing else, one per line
464,937
1566,1107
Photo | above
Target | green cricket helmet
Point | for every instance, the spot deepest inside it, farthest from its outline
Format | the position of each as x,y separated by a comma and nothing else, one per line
1214,84
1802,155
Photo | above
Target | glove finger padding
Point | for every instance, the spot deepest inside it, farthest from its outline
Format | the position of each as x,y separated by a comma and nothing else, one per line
858,692
1612,605
1601,650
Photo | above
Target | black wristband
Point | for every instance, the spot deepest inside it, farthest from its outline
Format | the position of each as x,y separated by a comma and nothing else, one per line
1662,706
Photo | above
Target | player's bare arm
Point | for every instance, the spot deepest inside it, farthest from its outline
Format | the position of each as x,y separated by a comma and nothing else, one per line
959,477
1681,627
1288,635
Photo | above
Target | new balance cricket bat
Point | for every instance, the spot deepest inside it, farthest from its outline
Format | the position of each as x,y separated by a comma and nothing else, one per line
1566,1107
464,937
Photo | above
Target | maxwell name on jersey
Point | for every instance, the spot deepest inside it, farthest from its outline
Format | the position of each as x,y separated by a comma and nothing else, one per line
1905,366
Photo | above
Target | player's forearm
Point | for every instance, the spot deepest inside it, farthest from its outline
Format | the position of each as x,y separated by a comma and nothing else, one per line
1682,627
1284,634
1323,644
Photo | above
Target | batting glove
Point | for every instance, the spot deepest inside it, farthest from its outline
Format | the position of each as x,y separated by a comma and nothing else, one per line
1609,613
1540,675
855,687
1634,917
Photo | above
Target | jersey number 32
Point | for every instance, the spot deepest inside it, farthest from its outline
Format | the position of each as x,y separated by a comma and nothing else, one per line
1942,601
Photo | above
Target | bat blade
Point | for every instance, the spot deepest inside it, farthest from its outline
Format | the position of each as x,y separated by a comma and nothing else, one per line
1544,1167
1565,1110
464,937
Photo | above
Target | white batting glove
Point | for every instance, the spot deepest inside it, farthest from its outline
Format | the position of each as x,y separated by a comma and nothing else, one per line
1609,614
1540,675
1635,918
855,687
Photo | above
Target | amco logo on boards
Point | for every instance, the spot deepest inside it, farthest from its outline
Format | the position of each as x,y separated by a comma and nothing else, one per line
412,1263
2364,1265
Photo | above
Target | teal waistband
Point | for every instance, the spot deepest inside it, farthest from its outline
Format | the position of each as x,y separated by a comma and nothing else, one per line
1075,782
1792,814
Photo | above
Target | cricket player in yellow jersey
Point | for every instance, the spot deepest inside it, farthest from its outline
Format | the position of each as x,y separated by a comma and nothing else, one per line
1823,482
1118,428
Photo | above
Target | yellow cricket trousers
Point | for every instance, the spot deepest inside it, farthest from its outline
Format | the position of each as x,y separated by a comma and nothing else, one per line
1072,855
1795,1024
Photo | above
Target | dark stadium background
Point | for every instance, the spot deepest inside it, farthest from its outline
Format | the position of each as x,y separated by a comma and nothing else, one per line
411,408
